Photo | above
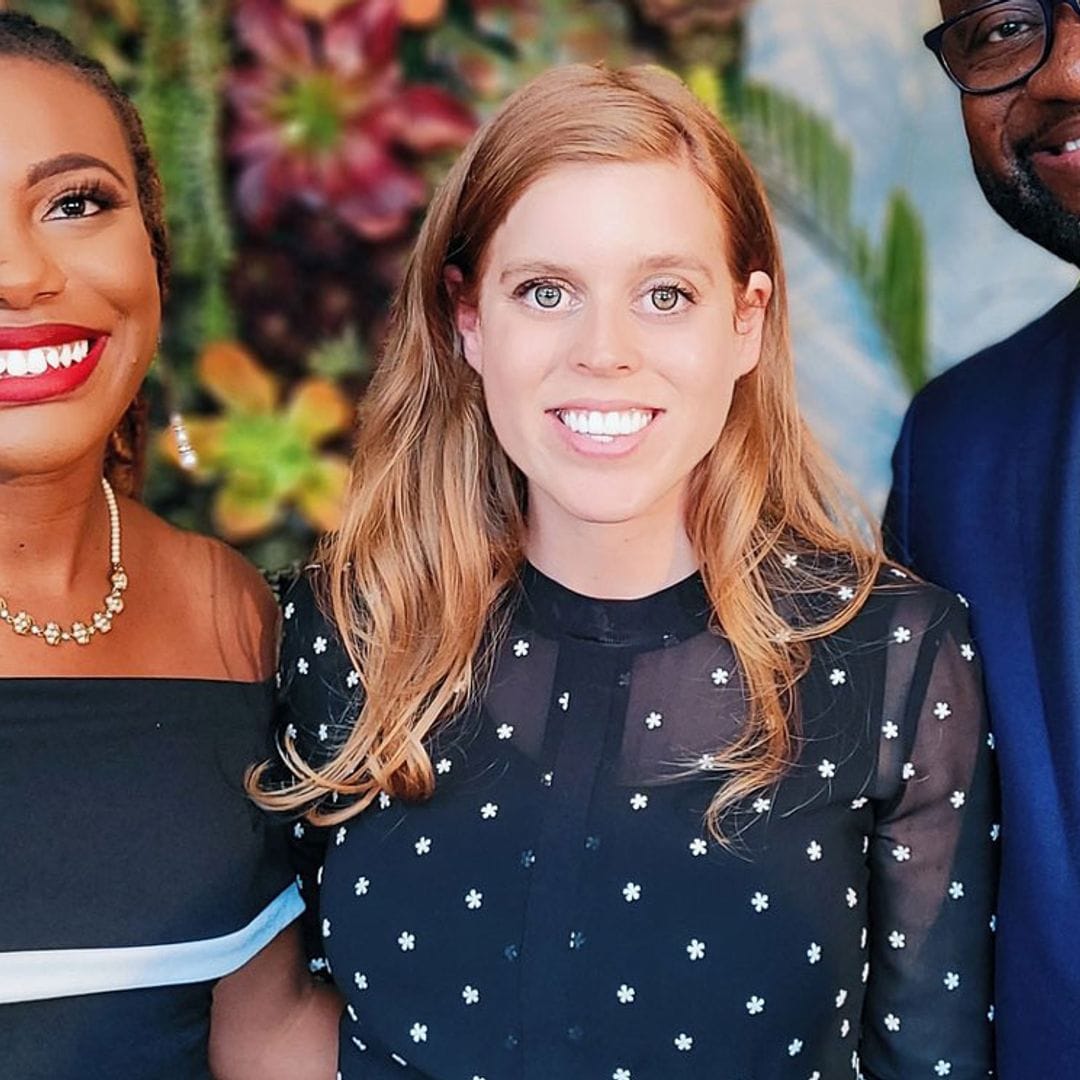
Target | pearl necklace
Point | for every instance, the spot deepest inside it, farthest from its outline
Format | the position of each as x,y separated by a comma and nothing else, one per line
98,623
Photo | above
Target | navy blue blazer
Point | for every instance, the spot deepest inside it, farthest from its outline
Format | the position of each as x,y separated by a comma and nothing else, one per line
986,501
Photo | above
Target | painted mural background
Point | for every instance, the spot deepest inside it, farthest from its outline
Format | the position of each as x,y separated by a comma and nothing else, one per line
300,139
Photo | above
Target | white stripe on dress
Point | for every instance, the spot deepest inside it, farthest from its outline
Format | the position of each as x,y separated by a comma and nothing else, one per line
34,975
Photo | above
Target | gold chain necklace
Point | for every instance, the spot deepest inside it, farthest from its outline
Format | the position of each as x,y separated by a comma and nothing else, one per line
98,623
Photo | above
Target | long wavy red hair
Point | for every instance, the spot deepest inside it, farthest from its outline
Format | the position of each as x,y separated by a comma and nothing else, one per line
432,539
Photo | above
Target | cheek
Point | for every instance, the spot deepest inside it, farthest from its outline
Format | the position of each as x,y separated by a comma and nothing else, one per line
984,122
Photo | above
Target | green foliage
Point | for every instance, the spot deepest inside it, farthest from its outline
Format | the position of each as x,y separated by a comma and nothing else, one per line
809,172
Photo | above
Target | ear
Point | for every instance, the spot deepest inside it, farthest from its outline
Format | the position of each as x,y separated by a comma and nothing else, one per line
750,310
466,317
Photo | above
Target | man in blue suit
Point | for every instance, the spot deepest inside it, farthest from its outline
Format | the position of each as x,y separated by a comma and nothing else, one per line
986,500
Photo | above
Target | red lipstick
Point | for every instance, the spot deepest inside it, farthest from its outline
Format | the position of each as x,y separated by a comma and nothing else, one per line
53,382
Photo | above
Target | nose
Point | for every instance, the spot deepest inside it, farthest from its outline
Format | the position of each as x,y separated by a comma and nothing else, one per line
1059,78
607,345
28,272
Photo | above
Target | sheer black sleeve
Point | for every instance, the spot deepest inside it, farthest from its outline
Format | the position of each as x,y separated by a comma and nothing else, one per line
318,696
932,856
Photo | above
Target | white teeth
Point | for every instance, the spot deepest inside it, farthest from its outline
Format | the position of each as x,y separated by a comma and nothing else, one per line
1070,146
20,362
604,426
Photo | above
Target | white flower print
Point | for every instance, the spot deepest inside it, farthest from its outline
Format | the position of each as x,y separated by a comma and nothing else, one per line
290,610
474,900
406,941
521,648
826,769
621,1074
790,561
859,803
423,845
470,995
892,1022
991,741
720,676
360,979
489,810
339,836
298,830
654,720
698,847
755,1005
361,887
564,700
862,938
546,779
639,801
760,902
631,892
957,798
290,731
897,940
384,800
319,645
908,771
901,853
995,831
684,1041
504,731
696,949
326,928
846,592
845,1027
813,851
841,997
324,733
967,652
951,980
990,1014
302,666
993,924
852,897
625,994
794,1047
890,730
352,680
943,1067
956,889
901,635
707,761
443,766
762,805
418,1032
963,599
942,710
837,677
813,954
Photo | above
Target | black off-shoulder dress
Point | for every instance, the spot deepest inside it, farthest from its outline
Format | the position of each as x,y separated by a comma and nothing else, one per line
135,871
557,909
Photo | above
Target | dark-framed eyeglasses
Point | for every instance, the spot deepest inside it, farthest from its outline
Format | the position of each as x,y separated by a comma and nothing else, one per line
996,45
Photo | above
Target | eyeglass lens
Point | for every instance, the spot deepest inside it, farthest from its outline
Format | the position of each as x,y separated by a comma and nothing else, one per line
996,44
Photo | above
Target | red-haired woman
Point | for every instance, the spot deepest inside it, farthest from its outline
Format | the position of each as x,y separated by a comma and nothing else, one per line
619,751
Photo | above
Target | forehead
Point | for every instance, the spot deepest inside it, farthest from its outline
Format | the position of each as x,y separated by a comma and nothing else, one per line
50,111
606,211
951,8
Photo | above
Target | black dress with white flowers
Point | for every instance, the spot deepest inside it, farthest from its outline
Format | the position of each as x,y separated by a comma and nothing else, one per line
558,912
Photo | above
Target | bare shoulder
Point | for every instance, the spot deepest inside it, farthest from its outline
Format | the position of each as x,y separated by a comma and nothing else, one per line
206,581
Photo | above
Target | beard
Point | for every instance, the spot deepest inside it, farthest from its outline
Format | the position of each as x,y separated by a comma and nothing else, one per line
1024,202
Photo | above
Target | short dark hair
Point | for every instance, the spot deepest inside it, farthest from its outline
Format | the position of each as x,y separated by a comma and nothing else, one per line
24,37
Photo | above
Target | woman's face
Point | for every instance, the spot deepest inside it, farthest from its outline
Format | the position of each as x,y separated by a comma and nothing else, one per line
608,338
79,303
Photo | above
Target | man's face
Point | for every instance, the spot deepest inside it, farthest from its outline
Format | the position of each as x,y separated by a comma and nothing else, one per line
1025,141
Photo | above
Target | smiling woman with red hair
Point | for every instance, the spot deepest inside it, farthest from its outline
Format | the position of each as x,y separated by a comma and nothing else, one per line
619,752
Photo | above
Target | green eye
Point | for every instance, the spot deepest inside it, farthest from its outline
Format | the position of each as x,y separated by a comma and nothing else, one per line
547,296
665,297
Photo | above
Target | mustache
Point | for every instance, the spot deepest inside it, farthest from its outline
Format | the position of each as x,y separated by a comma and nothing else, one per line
1060,115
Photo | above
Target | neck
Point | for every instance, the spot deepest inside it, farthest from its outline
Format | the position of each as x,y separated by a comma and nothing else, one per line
54,537
622,560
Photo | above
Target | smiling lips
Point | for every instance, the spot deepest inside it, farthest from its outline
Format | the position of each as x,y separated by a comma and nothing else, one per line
42,362
604,432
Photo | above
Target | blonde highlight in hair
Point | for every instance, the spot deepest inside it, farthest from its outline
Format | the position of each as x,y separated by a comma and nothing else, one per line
432,540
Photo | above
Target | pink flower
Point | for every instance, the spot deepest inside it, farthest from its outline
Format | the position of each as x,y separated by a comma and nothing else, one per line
323,117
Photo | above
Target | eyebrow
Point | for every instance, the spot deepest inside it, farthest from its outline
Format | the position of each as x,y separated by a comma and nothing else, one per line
650,263
64,163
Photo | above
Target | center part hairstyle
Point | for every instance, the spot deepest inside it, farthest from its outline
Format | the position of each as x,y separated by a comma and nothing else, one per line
420,574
